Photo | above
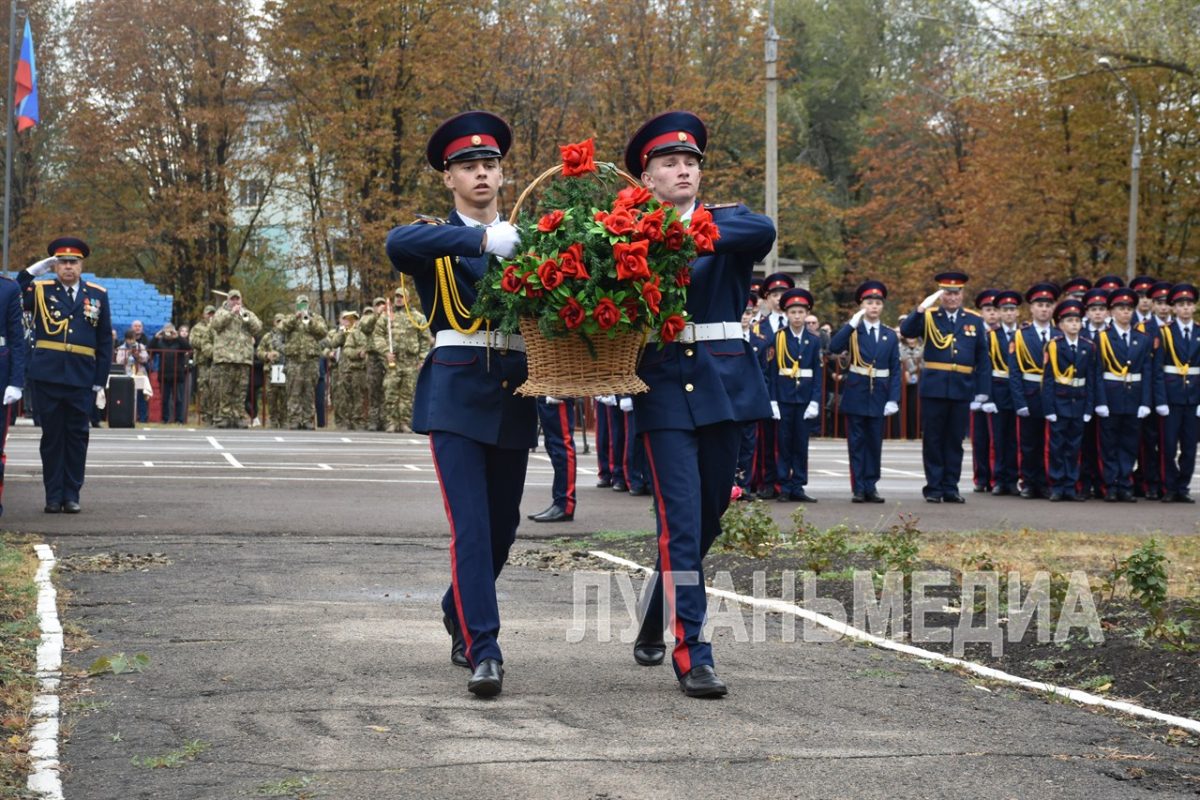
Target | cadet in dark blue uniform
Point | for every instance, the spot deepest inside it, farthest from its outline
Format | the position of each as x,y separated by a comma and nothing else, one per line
957,372
1001,414
1096,317
480,432
703,387
794,380
72,348
637,480
1127,376
558,432
603,444
982,449
1179,361
1070,393
748,449
12,360
1148,478
762,335
871,390
1026,356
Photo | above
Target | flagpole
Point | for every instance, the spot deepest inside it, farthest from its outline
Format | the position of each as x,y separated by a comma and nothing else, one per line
8,134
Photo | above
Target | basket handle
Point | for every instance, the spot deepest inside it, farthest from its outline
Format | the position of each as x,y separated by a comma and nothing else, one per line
540,179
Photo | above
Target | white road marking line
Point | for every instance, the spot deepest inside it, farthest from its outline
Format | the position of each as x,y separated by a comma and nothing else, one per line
412,467
279,438
141,438
43,750
229,457
902,472
346,439
324,466
213,441
147,463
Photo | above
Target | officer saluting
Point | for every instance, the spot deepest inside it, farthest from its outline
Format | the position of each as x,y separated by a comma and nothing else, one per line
480,432
72,348
957,372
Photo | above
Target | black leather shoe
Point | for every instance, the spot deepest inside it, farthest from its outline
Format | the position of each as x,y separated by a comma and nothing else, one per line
980,488
619,486
540,513
1112,497
768,494
641,491
52,508
553,514
702,681
70,507
1077,498
873,497
1056,497
953,498
649,653
1184,498
1153,494
858,497
458,647
784,497
1001,491
603,483
1029,494
1126,496
933,499
487,680
803,497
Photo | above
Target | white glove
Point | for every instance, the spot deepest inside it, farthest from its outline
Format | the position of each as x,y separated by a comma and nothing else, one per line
928,302
607,400
626,404
553,401
981,398
1143,412
1162,411
1102,412
12,394
858,315
989,408
813,409
1052,418
501,240
43,266
1022,412
101,399
890,408
976,405
1087,417
1198,411
775,410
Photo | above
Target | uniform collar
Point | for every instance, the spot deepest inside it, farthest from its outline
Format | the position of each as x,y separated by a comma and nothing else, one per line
474,223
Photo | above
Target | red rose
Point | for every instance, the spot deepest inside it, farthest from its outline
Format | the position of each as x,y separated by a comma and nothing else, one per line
674,235
631,260
532,291
632,196
600,215
671,327
650,226
652,295
551,221
606,314
701,216
577,158
511,281
549,274
704,244
703,230
570,261
683,277
630,308
572,314
619,222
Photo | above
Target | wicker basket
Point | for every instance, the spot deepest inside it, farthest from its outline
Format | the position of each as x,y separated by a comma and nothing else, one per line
566,366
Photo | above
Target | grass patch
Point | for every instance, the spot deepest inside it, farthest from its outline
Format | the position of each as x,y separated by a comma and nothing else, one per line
18,658
173,759
297,788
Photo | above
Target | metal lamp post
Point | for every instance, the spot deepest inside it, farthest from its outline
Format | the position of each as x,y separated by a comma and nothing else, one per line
1135,170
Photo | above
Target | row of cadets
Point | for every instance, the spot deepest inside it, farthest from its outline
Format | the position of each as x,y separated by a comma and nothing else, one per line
1148,477
1178,362
956,374
871,389
771,321
794,379
1069,396
993,430
1026,357
620,455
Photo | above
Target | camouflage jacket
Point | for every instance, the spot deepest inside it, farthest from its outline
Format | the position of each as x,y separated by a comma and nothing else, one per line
201,340
410,337
272,342
233,336
302,340
354,345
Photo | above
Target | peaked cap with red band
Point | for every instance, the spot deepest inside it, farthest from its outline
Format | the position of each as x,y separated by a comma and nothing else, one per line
1046,292
672,132
1008,298
870,289
1122,297
776,281
470,136
68,247
796,297
951,280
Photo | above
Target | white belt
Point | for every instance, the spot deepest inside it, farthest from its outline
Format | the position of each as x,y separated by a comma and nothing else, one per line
999,373
1031,376
493,339
705,332
870,372
800,373
1075,382
1176,371
1132,377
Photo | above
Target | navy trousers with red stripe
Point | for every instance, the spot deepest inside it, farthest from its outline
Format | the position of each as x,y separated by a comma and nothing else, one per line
692,474
1003,436
558,434
864,443
636,475
1179,448
616,442
1031,437
981,449
1119,438
603,445
481,488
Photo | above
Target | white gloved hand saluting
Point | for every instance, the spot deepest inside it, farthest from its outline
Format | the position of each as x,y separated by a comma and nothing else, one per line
42,267
857,318
775,410
1102,412
1143,412
890,408
928,302
813,409
989,408
12,394
501,240
626,404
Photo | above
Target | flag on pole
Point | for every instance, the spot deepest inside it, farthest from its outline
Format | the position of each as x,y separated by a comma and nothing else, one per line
27,87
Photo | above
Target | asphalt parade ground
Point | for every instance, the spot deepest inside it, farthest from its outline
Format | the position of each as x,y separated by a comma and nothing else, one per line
296,650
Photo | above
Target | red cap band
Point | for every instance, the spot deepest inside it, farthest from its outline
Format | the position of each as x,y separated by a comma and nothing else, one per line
675,137
69,251
474,140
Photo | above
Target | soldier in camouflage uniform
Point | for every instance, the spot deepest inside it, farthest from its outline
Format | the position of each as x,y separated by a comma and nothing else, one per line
374,324
270,352
351,386
234,328
201,340
410,345
303,333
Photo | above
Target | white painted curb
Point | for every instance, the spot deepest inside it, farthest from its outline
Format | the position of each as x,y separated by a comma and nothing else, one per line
987,672
44,779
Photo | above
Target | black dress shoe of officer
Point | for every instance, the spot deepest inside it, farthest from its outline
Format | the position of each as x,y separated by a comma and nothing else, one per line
933,498
1153,495
1126,496
619,486
1112,497
458,647
803,497
999,490
953,498
858,497
603,483
1056,497
980,488
52,508
1077,498
71,507
702,681
553,514
487,680
545,510
873,497
649,653
641,491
